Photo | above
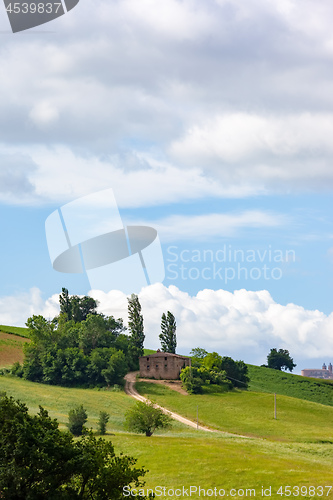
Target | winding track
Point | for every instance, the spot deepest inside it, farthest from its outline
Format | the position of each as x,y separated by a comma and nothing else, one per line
130,379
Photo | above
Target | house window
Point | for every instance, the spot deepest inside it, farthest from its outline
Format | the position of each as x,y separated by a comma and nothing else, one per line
147,359
165,366
165,358
148,367
156,366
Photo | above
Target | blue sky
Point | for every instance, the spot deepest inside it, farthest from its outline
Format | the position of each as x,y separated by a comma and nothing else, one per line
212,122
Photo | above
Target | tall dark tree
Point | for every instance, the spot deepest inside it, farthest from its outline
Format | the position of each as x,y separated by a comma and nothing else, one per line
135,326
76,308
168,333
279,359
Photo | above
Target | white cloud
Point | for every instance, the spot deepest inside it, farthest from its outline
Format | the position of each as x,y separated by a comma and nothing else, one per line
239,90
265,150
16,309
242,324
44,113
204,227
59,175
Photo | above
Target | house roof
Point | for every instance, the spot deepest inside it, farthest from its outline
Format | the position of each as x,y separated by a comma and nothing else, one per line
160,354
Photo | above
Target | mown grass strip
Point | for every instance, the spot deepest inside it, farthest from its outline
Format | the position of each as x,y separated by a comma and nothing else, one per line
15,330
268,380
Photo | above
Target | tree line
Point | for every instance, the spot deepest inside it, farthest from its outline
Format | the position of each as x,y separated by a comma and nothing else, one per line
81,347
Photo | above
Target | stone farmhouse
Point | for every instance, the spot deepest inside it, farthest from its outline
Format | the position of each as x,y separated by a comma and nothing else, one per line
162,365
319,373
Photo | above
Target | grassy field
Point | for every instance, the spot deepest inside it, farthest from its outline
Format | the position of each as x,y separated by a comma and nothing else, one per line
268,380
294,450
15,330
229,463
250,413
185,457
59,400
11,349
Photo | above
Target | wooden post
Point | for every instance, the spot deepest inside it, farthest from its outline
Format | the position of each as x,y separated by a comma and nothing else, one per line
275,405
197,417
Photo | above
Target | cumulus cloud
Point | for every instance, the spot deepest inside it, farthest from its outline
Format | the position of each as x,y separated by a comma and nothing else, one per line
16,309
243,324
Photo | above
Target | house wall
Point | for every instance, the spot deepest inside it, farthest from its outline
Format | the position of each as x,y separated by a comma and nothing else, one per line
162,367
316,373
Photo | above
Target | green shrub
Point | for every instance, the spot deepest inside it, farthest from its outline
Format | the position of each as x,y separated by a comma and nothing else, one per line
77,417
103,420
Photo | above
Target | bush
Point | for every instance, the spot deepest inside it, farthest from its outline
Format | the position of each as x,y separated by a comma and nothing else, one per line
17,369
145,418
77,417
103,420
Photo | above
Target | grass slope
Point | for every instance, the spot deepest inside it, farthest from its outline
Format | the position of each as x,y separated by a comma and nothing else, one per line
59,400
250,413
229,463
269,380
11,349
15,330
186,457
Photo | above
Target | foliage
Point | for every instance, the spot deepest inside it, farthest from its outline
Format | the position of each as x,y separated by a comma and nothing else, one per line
279,359
76,308
38,461
145,418
168,333
211,368
92,351
191,380
198,353
77,417
102,422
135,326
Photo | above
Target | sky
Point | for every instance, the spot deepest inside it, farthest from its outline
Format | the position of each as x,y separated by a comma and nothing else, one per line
211,122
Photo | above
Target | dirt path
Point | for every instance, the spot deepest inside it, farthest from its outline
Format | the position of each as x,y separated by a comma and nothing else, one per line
130,380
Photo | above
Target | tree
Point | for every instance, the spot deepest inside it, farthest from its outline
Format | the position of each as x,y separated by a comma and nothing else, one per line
279,359
198,352
135,326
38,461
145,418
77,417
168,333
102,421
236,372
76,308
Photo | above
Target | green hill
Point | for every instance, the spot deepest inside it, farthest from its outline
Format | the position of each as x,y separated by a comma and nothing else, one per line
293,450
15,330
274,381
250,413
11,349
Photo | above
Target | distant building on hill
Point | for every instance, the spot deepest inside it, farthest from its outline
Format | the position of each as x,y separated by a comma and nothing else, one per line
162,365
326,373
